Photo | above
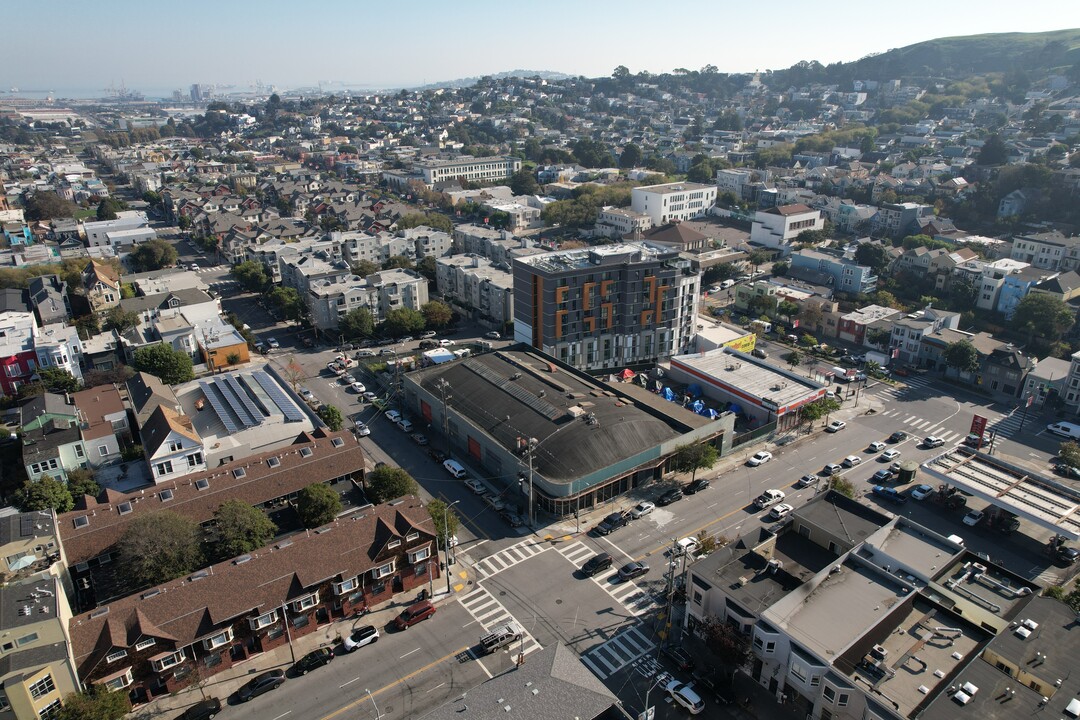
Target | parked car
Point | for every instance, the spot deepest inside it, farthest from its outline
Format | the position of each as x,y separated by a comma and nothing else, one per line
781,511
769,498
851,461
512,518
313,660
835,426
891,494
876,446
642,509
974,517
427,334
684,695
889,456
362,430
361,636
883,475
446,343
931,441
696,486
454,468
632,570
759,458
428,344
807,481
686,546
202,710
921,492
611,523
392,415
370,396
595,564
414,614
493,335
273,343
831,469
364,354
420,439
898,436
682,659
358,387
263,683
475,485
669,497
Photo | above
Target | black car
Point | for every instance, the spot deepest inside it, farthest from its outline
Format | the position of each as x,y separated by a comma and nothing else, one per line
260,684
596,564
669,497
313,660
696,486
683,660
611,523
202,710
898,436
632,570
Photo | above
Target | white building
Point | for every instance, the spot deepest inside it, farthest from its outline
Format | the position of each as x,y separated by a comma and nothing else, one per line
58,346
379,293
97,232
672,201
172,445
778,227
620,222
734,181
473,169
478,285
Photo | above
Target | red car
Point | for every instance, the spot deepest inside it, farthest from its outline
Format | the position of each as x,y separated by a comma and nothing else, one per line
901,371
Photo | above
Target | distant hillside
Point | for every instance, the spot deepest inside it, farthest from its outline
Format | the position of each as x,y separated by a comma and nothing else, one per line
466,82
970,55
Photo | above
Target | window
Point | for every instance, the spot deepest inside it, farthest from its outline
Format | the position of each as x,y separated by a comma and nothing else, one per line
202,483
194,460
263,620
770,646
345,586
422,554
42,687
117,655
218,640
27,639
119,683
168,660
393,544
103,450
164,468
79,451
306,603
412,536
175,446
829,693
143,644
842,701
4,704
381,572
50,711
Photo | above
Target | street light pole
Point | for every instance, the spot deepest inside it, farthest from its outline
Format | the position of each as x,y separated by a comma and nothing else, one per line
532,449
446,541
443,387
648,713
378,715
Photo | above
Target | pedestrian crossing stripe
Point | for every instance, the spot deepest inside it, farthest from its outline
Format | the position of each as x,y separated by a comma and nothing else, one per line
618,652
489,613
628,594
507,558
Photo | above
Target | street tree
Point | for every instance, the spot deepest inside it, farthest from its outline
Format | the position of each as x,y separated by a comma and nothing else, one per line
437,315
873,256
842,485
788,308
170,366
758,257
58,380
403,321
691,458
158,547
523,182
97,703
1044,315
387,483
294,373
1069,453
811,315
962,356
793,358
357,323
121,320
812,412
251,275
317,504
44,493
287,301
331,416
444,519
731,647
152,255
241,528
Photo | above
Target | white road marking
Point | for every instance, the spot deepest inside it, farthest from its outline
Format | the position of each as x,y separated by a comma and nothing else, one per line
287,712
434,688
350,681
408,654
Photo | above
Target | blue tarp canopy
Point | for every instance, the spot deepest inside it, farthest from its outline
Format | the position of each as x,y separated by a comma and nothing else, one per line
694,390
667,394
732,407
709,413
697,406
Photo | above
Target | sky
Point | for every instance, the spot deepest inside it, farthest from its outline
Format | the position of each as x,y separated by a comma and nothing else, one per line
156,47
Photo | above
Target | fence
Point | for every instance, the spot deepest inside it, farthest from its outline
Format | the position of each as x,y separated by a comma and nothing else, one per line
753,435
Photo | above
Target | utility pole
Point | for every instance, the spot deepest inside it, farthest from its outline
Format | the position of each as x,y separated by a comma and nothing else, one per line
446,541
669,578
444,387
532,449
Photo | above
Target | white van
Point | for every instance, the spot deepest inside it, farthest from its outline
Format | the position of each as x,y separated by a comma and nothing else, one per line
454,468
726,284
1065,429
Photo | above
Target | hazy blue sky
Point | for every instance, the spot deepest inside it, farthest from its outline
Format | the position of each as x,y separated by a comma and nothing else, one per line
157,46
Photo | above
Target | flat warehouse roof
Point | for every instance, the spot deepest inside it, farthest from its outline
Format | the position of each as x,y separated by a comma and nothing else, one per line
726,368
1043,501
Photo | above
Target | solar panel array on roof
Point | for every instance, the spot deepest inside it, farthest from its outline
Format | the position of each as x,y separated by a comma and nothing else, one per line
217,403
232,399
253,409
279,398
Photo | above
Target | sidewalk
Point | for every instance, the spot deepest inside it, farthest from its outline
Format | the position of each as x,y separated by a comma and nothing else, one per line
225,684
567,528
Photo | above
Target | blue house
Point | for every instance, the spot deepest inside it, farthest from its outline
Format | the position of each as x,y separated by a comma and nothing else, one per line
847,275
17,233
1016,286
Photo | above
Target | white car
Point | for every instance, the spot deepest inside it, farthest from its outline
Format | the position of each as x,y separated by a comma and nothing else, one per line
889,455
876,446
642,509
362,636
932,442
974,517
362,430
759,458
427,334
781,511
358,387
476,486
445,343
921,492
273,343
306,394
685,695
851,461
392,415
835,426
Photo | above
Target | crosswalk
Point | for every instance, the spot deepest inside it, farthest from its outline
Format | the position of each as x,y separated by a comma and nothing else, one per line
504,559
635,600
490,613
913,382
1002,426
618,652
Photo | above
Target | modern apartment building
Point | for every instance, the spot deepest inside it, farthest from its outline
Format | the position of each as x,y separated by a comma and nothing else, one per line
672,201
478,285
847,275
607,307
379,292
778,227
473,169
1048,250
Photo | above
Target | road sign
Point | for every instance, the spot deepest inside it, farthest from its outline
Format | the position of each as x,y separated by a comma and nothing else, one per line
1030,399
978,425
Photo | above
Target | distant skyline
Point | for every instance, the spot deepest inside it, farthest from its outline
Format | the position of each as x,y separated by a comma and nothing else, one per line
155,48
